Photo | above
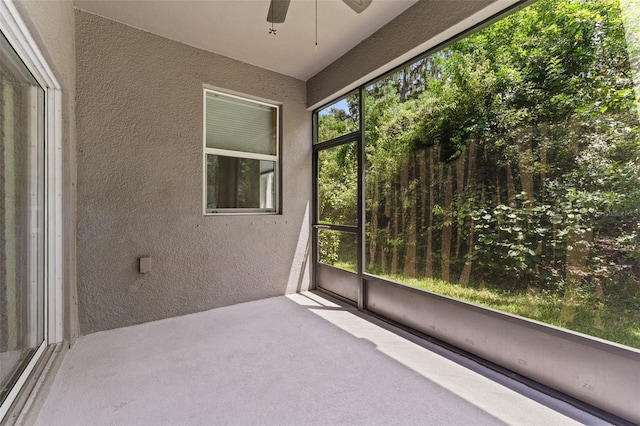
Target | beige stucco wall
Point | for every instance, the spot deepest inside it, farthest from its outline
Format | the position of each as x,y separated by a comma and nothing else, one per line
52,24
140,177
378,53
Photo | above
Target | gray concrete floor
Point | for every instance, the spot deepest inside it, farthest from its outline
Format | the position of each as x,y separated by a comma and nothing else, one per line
295,360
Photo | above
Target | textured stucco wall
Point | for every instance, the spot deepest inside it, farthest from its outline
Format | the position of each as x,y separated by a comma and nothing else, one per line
416,25
139,121
52,24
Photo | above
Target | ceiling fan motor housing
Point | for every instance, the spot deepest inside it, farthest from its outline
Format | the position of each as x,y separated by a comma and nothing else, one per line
278,9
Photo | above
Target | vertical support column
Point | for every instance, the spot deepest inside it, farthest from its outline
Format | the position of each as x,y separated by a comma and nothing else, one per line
362,214
314,202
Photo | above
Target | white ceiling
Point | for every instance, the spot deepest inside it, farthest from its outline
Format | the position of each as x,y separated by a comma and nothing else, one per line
239,29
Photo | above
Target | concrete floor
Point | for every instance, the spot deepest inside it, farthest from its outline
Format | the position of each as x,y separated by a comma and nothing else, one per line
295,360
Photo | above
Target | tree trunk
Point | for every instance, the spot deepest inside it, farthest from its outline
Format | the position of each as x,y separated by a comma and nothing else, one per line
471,164
373,235
465,275
543,160
388,194
410,227
543,178
446,226
525,164
429,255
394,246
383,250
423,190
404,84
511,189
404,200
388,201
578,246
460,201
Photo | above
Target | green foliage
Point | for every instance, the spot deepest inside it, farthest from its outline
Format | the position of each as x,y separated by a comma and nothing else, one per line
337,184
336,121
510,158
328,246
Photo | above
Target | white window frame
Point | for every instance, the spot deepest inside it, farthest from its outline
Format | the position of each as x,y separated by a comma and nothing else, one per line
17,33
239,154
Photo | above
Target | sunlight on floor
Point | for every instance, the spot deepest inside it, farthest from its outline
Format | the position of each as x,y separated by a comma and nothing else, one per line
477,389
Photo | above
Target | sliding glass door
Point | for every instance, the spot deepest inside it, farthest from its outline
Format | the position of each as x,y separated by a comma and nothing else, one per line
22,295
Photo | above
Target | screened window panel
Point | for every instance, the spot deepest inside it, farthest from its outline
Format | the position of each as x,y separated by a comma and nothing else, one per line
238,125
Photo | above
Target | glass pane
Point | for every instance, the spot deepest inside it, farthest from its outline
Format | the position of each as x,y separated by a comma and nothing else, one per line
338,249
339,118
240,183
240,125
337,185
21,217
507,171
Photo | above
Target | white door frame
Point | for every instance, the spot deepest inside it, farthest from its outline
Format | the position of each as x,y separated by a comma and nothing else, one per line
17,33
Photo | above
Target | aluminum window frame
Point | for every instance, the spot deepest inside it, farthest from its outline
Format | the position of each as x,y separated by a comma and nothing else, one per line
242,155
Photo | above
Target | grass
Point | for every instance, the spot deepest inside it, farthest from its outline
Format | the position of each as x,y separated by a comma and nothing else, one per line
581,313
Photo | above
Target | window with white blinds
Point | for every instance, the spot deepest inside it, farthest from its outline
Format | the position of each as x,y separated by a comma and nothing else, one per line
241,158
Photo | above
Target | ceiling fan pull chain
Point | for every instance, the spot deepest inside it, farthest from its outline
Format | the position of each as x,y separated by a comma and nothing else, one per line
272,30
316,24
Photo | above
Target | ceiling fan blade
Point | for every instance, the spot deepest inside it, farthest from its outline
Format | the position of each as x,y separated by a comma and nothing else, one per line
278,11
358,5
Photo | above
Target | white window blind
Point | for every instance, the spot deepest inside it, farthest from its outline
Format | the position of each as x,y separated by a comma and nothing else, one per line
238,125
